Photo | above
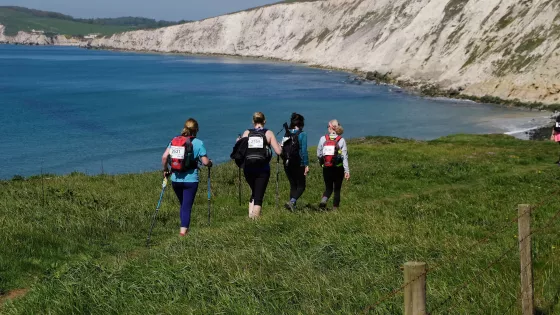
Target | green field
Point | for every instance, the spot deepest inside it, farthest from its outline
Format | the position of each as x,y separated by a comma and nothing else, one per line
448,202
23,19
18,21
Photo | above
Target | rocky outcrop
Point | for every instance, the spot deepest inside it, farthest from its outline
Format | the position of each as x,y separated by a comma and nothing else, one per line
24,38
503,48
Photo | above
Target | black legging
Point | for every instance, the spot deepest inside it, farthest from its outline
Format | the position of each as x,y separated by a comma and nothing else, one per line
333,177
296,176
258,182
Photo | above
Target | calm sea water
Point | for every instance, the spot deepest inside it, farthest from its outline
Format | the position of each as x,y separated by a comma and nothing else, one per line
67,109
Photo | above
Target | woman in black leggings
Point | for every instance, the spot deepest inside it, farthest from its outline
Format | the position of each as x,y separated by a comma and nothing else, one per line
256,167
332,153
296,166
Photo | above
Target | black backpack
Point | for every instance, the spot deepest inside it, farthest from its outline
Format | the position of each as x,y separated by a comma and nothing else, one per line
239,152
291,148
258,151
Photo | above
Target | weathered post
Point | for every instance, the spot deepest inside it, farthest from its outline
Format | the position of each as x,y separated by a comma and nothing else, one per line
524,224
415,290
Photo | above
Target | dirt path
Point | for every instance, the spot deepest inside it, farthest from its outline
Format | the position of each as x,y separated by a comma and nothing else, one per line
14,294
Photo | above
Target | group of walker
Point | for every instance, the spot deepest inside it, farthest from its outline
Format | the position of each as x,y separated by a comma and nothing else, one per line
252,153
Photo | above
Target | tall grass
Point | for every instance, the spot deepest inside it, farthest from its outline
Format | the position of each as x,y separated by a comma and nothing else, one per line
83,251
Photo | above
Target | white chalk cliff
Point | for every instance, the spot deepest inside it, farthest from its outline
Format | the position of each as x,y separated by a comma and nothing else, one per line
25,38
503,48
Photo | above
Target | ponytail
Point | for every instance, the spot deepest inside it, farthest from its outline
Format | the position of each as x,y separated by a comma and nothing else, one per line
190,129
336,127
339,130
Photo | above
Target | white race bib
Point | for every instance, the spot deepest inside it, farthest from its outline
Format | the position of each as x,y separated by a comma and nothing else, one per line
177,152
284,140
328,150
256,143
557,124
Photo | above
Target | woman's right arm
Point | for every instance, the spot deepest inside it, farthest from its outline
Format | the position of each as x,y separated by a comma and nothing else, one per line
320,147
164,162
164,159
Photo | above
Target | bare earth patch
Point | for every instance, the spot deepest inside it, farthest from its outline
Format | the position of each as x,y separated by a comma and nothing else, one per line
14,294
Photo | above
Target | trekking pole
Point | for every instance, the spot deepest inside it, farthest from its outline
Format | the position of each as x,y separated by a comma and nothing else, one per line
239,181
163,185
209,195
42,184
277,180
284,127
239,178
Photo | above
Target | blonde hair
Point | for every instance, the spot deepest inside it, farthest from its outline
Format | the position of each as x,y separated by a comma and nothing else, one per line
190,128
336,126
258,118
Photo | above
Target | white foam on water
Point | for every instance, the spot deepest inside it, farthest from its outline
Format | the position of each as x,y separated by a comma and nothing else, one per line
511,133
519,125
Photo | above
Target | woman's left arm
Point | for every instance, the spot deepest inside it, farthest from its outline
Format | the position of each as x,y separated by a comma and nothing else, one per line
206,161
303,151
303,148
203,155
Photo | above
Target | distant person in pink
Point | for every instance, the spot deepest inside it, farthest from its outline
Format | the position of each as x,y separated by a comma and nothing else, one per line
555,136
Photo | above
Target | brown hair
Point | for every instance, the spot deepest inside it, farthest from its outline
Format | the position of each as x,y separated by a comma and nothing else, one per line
258,118
297,120
336,126
190,128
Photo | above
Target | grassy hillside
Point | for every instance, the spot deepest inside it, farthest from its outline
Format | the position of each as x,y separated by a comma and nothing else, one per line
446,202
22,19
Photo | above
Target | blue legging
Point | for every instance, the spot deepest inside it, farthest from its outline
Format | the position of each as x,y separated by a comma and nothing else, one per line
185,193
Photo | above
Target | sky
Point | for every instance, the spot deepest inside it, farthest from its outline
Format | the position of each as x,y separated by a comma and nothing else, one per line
172,10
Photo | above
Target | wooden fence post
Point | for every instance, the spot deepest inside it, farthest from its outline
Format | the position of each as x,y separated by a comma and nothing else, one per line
415,290
524,224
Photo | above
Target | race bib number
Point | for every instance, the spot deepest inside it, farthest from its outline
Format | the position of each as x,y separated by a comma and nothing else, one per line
256,143
284,140
328,150
177,152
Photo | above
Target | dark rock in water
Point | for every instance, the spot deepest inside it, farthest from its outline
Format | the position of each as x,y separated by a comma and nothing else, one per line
378,77
355,80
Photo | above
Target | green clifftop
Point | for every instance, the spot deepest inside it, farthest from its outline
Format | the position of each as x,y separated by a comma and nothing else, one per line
17,19
83,250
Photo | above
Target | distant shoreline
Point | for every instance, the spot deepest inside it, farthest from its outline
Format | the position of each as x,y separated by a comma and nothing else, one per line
424,90
535,134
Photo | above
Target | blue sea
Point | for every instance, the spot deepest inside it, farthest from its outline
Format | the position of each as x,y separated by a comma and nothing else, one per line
68,109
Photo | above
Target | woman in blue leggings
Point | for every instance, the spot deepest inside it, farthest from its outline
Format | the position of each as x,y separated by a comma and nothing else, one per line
181,160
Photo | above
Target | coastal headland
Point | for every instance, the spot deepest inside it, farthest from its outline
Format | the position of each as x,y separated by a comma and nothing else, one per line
486,50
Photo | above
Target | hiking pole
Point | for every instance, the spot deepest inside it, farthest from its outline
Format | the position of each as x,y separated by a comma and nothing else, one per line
209,195
42,184
277,180
163,185
239,177
284,127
